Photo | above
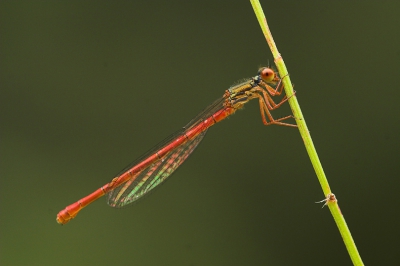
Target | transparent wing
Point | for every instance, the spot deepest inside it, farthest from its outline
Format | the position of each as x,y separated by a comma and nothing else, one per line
152,176
141,182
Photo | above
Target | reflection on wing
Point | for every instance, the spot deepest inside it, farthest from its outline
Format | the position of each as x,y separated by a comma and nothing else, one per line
155,174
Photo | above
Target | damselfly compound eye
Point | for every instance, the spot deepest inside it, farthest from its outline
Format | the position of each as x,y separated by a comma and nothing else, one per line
267,74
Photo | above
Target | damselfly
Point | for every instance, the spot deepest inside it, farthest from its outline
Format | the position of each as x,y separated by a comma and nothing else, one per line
160,162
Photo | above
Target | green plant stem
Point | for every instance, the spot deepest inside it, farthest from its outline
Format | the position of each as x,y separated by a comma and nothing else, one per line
331,200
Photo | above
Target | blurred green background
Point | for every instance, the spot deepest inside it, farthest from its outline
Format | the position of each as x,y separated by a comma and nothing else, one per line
88,86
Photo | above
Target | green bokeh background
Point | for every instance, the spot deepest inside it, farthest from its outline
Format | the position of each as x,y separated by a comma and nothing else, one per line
88,86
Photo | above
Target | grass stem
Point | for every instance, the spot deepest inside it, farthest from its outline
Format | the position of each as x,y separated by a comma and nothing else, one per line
330,200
